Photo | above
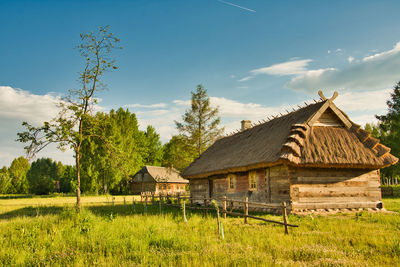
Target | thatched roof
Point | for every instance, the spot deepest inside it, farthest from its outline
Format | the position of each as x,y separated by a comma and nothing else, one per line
163,174
299,138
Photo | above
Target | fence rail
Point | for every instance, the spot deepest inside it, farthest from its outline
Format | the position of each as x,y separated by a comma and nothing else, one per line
205,205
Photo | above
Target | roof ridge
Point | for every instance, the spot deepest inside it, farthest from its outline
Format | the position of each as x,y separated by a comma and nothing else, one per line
237,131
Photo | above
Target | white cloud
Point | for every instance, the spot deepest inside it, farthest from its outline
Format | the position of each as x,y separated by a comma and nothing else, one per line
22,105
293,67
158,105
350,59
329,51
156,112
384,55
232,109
285,68
245,78
182,102
17,106
363,101
339,50
373,72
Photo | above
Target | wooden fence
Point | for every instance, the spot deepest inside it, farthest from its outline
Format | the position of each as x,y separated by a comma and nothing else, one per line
390,181
205,204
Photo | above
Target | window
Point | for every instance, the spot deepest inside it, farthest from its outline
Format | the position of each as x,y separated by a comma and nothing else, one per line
253,180
231,181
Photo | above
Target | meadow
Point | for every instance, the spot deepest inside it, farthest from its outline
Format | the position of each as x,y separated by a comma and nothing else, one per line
48,231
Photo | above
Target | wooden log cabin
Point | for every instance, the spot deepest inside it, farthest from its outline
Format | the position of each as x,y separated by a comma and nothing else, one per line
158,180
314,158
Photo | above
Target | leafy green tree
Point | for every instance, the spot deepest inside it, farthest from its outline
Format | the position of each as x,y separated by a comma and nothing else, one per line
390,128
154,153
68,179
108,170
5,181
375,130
178,153
17,171
68,128
200,126
42,176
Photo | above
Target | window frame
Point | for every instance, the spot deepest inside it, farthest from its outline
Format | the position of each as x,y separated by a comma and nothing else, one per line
231,177
253,174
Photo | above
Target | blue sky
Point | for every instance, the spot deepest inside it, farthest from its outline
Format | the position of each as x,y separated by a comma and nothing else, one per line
254,57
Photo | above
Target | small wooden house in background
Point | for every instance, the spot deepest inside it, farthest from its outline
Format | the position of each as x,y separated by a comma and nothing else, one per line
312,158
158,179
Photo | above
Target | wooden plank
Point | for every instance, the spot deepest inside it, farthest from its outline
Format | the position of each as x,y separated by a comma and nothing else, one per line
371,194
337,189
331,179
334,199
334,205
349,183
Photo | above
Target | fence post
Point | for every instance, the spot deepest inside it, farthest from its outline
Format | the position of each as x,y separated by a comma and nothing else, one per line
133,204
152,197
113,198
184,212
284,213
191,201
124,202
179,199
145,203
246,209
167,198
224,207
160,203
205,206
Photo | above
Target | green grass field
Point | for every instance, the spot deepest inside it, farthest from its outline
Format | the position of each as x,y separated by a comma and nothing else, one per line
48,231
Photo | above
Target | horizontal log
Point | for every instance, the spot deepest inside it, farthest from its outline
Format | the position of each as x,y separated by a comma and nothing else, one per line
336,199
259,218
332,179
345,183
331,205
336,189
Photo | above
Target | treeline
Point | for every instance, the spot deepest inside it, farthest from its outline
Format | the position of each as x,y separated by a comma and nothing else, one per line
43,176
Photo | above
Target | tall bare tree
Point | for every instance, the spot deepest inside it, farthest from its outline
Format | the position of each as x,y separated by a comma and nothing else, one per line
68,129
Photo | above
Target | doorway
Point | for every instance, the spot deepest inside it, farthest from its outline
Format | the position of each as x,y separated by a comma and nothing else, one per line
210,188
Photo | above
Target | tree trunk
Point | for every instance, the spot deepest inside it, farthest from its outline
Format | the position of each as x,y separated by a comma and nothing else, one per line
78,179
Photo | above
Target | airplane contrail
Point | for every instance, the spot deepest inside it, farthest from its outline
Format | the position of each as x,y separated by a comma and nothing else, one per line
232,4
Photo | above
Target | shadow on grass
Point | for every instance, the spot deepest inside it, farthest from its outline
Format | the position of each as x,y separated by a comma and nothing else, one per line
31,211
98,210
116,210
19,196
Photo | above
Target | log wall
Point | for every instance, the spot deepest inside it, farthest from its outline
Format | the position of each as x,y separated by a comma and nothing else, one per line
313,188
272,186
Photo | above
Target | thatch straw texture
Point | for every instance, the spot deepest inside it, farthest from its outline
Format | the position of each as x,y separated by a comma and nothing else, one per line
338,146
163,174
